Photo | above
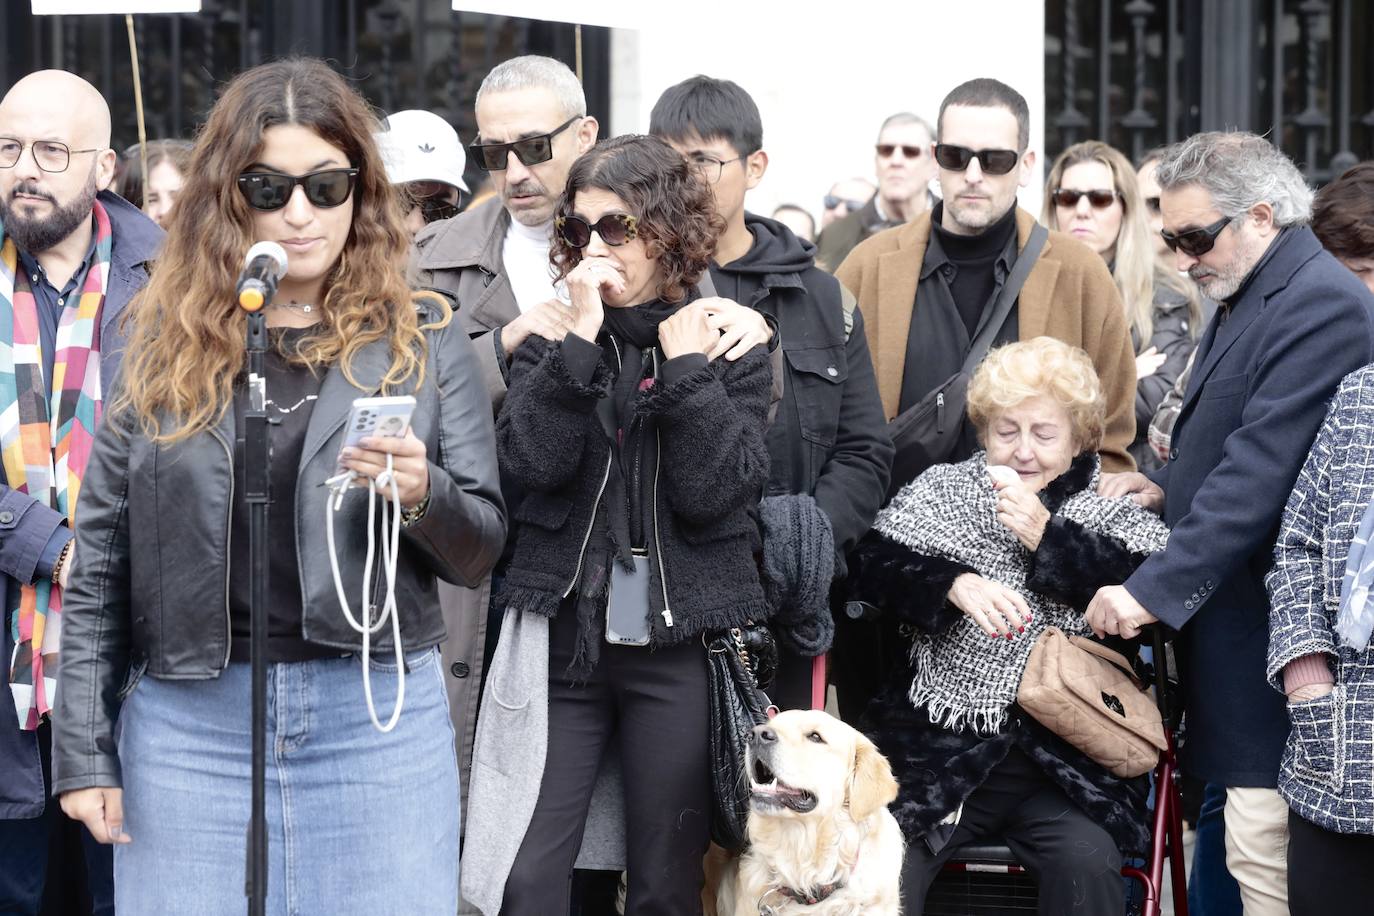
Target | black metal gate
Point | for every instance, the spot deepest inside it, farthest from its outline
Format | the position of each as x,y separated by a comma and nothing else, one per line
400,53
1139,73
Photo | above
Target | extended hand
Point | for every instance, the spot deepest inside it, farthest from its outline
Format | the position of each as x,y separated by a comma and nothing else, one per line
741,328
409,463
996,609
1113,612
687,331
1148,363
101,809
1137,486
1022,513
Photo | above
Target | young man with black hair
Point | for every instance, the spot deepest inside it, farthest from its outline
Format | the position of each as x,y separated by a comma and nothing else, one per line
829,445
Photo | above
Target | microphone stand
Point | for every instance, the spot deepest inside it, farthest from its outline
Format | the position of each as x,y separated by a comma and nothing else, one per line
257,457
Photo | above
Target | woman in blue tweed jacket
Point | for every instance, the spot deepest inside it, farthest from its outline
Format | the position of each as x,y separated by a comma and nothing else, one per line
1320,656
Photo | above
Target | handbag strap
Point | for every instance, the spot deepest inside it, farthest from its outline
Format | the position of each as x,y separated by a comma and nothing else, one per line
1111,656
987,332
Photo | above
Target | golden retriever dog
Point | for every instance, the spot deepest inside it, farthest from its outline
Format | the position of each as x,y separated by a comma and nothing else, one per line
821,840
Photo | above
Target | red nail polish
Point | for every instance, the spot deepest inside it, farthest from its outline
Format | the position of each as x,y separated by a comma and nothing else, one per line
1008,636
1020,629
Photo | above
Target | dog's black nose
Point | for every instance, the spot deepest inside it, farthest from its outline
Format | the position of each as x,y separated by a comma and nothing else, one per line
765,734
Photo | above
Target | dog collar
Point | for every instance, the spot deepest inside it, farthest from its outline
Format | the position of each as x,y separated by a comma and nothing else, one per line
808,897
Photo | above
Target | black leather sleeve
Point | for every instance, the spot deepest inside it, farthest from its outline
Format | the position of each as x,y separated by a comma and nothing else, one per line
95,622
464,529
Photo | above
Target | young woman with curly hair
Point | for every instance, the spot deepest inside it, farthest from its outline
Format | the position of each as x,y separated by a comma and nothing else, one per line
640,458
160,602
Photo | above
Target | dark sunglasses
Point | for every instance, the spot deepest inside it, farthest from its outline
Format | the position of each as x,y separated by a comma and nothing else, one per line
887,149
1152,204
991,161
831,202
1099,199
436,207
272,190
493,157
615,229
1195,242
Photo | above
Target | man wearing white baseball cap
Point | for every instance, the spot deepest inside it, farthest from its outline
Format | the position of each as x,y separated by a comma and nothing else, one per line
423,154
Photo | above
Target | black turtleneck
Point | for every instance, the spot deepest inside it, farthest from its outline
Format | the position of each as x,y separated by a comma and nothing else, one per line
973,258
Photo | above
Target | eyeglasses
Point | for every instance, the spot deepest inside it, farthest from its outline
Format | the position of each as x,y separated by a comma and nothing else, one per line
436,208
831,202
492,157
709,167
991,161
1098,198
1195,242
436,199
887,149
50,155
1152,204
272,190
615,229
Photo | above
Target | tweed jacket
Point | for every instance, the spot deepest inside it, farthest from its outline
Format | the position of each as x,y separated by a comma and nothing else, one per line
1327,772
1069,295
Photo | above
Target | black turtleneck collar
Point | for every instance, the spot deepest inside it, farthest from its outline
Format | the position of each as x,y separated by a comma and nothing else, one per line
983,247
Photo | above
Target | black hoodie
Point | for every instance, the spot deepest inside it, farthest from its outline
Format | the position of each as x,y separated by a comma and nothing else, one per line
775,251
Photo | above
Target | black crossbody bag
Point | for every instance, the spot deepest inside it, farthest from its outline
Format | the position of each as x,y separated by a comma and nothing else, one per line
927,433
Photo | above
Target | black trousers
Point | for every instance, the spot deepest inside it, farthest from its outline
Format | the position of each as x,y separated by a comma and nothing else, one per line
654,706
1073,860
1328,872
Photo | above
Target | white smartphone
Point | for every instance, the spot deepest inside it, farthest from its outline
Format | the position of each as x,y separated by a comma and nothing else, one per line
378,417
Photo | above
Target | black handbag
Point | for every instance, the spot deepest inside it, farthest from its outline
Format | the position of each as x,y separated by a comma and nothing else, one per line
928,432
737,705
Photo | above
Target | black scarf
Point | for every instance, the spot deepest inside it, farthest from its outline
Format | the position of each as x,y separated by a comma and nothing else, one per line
632,334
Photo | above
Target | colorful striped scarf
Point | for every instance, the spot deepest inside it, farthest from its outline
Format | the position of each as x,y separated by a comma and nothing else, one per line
45,437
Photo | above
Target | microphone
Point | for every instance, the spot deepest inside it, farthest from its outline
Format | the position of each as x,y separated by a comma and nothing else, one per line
263,268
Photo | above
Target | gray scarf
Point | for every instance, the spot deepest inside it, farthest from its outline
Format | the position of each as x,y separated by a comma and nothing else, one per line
963,677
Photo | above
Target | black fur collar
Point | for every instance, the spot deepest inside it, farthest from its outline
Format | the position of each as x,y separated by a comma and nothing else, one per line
1081,475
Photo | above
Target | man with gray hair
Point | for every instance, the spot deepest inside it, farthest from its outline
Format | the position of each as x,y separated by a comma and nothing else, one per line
903,162
1292,322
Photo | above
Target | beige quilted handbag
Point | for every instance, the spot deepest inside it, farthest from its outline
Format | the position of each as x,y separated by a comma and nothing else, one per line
1087,694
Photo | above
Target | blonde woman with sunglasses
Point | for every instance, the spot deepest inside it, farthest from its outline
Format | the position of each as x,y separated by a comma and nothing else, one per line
1092,195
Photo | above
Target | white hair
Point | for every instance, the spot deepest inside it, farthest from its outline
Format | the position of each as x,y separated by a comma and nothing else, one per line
1239,170
533,71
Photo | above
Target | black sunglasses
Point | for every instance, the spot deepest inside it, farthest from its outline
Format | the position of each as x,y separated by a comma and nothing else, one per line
887,149
615,229
1098,198
992,161
492,157
1195,242
436,207
272,190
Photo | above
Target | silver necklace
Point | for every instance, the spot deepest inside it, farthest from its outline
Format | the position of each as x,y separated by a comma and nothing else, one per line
302,307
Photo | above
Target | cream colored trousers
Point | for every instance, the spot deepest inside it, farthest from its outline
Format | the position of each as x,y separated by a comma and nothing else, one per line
1257,849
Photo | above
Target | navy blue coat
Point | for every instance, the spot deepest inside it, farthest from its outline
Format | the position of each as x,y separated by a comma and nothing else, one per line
136,241
1264,372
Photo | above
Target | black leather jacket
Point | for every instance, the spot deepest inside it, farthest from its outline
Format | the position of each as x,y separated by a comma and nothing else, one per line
150,590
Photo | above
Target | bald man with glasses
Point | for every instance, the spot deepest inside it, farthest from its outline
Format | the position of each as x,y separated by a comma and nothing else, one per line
72,256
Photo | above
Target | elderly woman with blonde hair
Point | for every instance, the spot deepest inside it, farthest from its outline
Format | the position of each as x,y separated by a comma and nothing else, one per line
977,559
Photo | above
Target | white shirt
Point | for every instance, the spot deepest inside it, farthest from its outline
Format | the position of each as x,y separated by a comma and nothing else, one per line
525,255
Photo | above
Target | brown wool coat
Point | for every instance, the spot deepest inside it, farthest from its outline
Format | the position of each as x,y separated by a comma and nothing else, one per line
1069,295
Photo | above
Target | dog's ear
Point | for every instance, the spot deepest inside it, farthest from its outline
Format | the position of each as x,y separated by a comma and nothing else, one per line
871,784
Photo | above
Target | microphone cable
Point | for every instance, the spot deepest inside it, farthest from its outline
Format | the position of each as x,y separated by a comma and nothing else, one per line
339,485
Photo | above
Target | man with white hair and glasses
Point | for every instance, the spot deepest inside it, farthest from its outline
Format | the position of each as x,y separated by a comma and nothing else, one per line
1292,322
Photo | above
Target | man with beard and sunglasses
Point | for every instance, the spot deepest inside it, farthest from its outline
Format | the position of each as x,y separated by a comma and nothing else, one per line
72,255
930,289
425,159
1292,322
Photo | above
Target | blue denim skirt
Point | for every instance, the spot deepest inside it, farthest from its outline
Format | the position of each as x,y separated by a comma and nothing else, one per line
358,821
